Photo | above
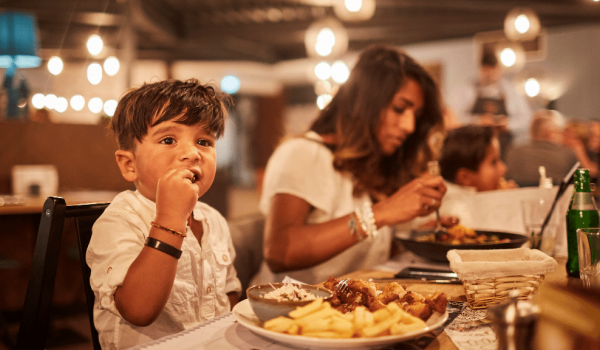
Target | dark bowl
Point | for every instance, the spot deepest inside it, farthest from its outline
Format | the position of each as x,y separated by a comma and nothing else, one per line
438,251
266,309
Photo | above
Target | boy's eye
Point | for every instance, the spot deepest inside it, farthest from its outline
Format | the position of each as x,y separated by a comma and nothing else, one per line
205,143
167,140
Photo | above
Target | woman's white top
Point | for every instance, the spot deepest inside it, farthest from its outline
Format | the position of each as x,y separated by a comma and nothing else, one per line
303,167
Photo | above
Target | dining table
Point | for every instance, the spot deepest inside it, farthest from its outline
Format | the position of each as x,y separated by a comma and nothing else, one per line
225,332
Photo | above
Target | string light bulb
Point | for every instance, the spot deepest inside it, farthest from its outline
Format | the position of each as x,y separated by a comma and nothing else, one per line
77,102
94,73
354,10
94,44
326,38
55,65
521,23
111,65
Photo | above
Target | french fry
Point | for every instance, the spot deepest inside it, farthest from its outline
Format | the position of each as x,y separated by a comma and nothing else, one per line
316,325
320,320
323,313
359,317
294,329
369,318
279,324
307,309
381,315
381,327
341,325
400,328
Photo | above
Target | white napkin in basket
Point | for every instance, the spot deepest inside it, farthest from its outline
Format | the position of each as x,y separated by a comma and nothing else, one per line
492,263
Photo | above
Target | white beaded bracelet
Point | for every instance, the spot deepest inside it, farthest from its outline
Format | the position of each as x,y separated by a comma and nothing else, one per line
366,219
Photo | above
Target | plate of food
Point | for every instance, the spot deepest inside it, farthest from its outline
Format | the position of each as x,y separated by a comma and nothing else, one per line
391,318
430,246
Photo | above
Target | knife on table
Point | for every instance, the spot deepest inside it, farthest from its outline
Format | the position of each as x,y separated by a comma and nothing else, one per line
424,275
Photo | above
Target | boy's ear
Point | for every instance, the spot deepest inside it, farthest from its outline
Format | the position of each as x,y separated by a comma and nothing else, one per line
465,177
125,161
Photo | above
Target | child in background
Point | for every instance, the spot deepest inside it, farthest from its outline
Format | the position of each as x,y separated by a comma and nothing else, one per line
470,163
471,158
161,261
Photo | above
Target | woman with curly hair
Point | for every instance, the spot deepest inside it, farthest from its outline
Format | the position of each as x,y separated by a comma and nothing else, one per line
331,195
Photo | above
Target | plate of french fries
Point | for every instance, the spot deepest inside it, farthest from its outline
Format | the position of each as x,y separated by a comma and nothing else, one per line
318,325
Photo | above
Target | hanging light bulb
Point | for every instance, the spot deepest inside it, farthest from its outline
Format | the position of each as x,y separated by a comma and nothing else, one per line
323,100
50,101
55,65
94,44
512,56
94,73
38,101
61,104
508,57
339,72
77,102
95,105
326,38
110,107
323,70
354,10
111,65
532,87
521,24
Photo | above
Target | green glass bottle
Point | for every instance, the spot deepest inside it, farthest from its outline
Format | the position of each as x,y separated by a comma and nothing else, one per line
582,213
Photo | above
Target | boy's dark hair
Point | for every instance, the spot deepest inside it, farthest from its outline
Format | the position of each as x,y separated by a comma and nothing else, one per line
189,102
465,147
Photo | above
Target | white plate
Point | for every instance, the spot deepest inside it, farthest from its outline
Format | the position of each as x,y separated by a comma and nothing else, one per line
245,316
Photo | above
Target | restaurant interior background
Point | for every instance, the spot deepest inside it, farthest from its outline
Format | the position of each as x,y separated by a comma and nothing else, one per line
260,46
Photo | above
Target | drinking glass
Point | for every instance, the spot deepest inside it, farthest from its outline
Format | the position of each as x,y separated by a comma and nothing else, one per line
534,212
588,247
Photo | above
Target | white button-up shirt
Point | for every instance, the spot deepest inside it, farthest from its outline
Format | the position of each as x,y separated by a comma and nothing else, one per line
205,272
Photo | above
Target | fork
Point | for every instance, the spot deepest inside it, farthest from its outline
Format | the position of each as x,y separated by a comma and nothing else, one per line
342,286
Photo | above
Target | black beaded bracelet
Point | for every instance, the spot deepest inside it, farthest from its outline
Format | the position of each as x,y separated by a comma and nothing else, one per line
163,247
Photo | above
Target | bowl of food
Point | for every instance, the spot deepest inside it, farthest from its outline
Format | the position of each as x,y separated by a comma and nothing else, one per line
278,299
435,247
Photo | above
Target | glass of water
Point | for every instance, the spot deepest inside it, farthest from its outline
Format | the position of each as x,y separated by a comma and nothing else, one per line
534,212
588,245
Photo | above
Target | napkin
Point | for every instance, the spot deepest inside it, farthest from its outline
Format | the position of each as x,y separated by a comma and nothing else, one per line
492,263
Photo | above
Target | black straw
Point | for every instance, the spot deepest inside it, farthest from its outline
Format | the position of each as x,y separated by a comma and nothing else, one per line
561,190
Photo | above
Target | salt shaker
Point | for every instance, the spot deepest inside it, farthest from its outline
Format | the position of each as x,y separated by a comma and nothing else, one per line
515,324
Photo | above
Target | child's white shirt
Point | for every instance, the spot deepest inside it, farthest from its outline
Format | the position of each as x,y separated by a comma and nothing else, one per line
205,272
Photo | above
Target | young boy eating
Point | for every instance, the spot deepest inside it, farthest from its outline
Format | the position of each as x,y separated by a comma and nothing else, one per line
161,261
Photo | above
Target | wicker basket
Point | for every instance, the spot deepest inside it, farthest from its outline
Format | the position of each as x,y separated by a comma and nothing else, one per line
488,291
489,276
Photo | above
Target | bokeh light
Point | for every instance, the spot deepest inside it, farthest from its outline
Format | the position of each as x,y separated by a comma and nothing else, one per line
109,107
230,84
55,65
111,65
94,73
95,105
38,101
94,44
77,102
61,105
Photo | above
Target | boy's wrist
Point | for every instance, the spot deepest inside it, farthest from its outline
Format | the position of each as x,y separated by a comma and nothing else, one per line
174,223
